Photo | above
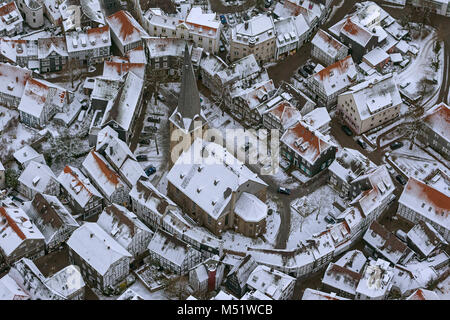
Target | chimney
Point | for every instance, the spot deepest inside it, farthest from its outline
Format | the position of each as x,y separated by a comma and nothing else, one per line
246,25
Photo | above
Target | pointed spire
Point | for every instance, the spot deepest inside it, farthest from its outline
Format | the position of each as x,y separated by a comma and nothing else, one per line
189,99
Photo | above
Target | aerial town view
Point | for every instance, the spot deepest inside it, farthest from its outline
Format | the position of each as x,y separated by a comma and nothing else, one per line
224,150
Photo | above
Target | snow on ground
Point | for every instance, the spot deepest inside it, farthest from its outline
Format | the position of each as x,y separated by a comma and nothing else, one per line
273,222
373,135
316,207
141,290
416,162
443,289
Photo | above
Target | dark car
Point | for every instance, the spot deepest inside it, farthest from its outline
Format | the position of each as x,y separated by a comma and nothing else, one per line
150,170
223,19
347,130
303,73
141,157
309,69
144,142
329,220
396,145
284,190
362,143
267,3
400,179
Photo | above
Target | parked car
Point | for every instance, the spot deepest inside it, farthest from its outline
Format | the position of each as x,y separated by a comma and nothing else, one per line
347,130
141,157
144,142
392,198
400,179
150,170
303,73
223,19
221,48
362,143
267,3
309,69
329,220
390,169
284,190
406,102
396,145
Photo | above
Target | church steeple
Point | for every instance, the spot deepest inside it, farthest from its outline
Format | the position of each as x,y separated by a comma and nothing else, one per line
188,109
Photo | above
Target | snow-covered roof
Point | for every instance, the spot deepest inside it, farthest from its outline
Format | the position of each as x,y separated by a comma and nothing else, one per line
336,76
106,88
356,32
66,281
52,9
272,283
376,280
239,69
286,31
105,177
2,168
121,224
250,208
40,94
353,260
10,290
169,247
212,64
116,70
77,185
396,57
341,278
427,201
207,174
49,215
126,28
255,295
130,294
438,119
306,142
311,294
13,79
96,247
425,237
224,296
396,30
27,154
47,46
37,176
137,55
10,17
402,46
91,39
375,56
29,278
256,30
423,294
243,270
327,43
284,112
317,118
385,242
122,109
93,10
16,227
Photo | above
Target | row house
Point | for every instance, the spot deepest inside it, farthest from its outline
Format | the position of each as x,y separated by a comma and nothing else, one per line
13,80
435,128
38,178
149,204
25,275
70,274
117,70
51,218
209,69
106,179
314,12
165,55
89,47
272,283
377,188
27,154
126,32
52,54
376,281
125,227
307,149
327,49
256,36
122,111
19,237
19,52
236,280
376,59
33,11
422,202
226,195
345,171
207,276
11,21
341,280
172,253
81,196
318,119
119,156
41,100
327,84
203,29
103,262
370,104
424,239
385,244
291,34
281,115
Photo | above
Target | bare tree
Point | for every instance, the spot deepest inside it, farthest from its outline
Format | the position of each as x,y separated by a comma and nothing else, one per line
178,287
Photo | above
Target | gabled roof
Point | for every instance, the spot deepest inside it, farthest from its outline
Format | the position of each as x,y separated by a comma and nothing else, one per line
438,119
96,247
272,283
423,294
304,141
285,113
327,43
356,32
46,46
66,281
13,79
169,247
37,176
126,28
